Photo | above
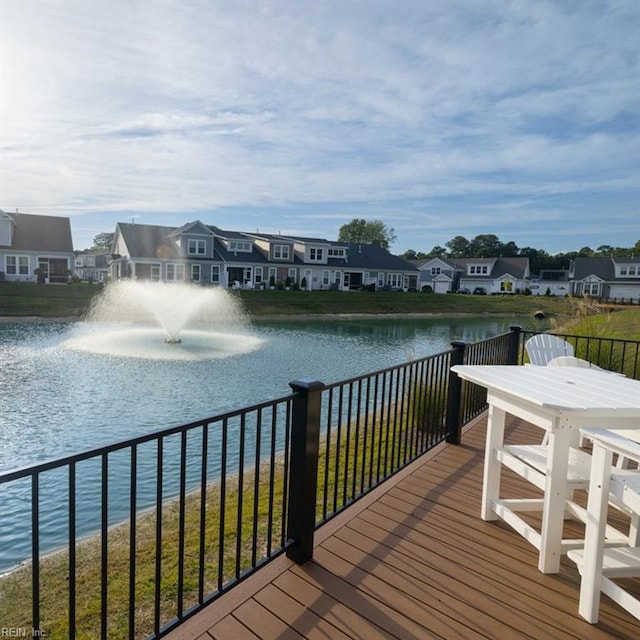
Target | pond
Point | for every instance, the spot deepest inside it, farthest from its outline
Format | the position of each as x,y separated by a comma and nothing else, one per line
58,400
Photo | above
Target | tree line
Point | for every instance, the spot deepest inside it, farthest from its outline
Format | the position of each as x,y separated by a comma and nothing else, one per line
486,245
489,245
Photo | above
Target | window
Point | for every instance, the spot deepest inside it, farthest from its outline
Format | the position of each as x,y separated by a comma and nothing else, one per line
591,288
435,271
195,272
628,271
335,253
215,274
478,269
326,275
281,251
18,265
394,280
175,272
257,278
315,254
240,245
196,247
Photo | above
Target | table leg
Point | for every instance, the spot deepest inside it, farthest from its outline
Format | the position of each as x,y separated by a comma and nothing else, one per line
555,498
591,579
491,474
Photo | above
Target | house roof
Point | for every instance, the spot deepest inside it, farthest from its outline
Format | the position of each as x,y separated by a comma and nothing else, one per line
41,233
148,240
603,268
371,256
517,267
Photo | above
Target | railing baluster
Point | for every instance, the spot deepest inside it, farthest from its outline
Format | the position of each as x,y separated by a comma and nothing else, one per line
202,542
272,478
287,469
256,490
336,472
133,476
240,506
223,503
181,523
327,457
72,551
35,550
104,546
158,567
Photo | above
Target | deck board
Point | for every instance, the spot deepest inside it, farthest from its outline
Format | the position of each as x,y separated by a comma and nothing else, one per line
415,560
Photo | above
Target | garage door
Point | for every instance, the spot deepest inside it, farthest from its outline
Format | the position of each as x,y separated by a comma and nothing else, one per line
618,291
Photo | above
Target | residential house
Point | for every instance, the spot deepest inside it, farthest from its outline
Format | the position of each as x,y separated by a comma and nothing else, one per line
466,275
606,277
35,248
92,266
200,253
551,282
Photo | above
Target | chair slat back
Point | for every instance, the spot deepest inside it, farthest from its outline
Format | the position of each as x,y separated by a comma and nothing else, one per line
544,347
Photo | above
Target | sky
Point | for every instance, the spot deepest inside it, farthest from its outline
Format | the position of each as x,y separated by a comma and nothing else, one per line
439,118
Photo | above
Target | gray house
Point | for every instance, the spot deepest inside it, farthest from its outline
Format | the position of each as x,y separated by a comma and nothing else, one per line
35,248
200,253
606,277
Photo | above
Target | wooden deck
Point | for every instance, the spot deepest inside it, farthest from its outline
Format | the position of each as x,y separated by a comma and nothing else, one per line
414,560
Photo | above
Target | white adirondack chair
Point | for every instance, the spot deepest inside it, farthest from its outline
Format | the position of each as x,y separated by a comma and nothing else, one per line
572,361
599,566
544,347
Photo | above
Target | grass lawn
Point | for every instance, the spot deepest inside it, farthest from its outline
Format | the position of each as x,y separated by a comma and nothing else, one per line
72,301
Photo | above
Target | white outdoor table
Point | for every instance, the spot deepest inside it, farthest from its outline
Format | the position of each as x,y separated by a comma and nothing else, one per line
560,400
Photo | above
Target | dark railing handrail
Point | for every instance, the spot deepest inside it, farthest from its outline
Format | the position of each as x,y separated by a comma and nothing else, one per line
371,426
48,465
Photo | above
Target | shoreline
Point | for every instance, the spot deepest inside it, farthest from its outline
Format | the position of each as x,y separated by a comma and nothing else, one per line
284,317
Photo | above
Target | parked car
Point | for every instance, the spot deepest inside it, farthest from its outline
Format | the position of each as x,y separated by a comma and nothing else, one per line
479,291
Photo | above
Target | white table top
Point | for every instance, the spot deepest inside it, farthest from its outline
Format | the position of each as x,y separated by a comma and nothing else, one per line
560,388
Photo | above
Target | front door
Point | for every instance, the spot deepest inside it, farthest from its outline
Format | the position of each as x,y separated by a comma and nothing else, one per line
43,271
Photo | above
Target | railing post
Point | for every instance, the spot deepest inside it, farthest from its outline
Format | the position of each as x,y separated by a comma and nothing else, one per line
454,399
514,344
305,444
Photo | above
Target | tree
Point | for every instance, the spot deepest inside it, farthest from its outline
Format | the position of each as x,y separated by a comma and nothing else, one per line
437,252
486,245
459,247
367,232
103,241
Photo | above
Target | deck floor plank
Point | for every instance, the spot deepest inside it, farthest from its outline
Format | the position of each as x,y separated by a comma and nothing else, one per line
417,562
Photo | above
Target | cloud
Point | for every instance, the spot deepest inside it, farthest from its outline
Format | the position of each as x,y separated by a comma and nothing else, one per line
197,108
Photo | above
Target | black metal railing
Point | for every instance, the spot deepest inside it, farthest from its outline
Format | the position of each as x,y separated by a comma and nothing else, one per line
615,301
151,530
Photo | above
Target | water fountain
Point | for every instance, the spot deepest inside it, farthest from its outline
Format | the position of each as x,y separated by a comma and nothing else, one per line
164,321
